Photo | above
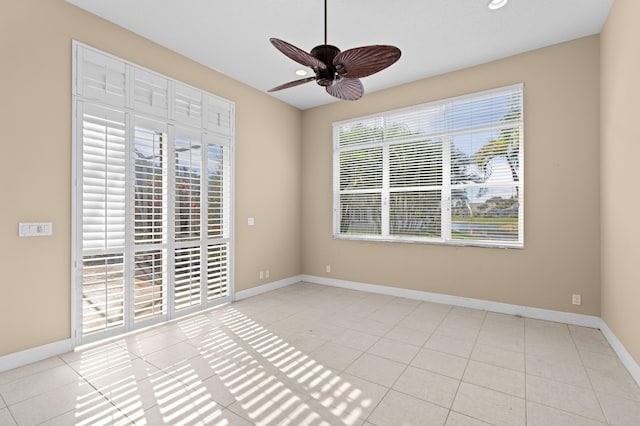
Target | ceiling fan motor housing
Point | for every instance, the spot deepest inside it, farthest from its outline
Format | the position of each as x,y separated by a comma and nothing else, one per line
325,53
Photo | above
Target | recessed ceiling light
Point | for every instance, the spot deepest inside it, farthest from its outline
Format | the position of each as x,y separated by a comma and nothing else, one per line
497,4
301,72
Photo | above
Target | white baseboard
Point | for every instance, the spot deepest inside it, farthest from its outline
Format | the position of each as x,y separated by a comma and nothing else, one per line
623,354
264,288
19,359
504,308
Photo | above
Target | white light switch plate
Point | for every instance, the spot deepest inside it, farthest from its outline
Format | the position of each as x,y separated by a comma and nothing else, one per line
35,229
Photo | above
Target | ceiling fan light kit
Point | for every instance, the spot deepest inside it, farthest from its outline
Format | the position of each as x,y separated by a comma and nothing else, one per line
497,4
338,72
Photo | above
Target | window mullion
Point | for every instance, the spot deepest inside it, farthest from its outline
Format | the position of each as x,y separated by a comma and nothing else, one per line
129,243
445,195
336,182
384,231
169,182
204,210
520,186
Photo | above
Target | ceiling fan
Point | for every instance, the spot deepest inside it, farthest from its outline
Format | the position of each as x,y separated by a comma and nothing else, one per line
338,72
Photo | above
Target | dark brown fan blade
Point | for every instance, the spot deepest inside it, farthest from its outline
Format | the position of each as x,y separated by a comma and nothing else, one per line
292,84
349,89
363,61
298,55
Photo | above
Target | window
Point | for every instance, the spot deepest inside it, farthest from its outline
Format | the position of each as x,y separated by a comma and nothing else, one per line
152,196
448,172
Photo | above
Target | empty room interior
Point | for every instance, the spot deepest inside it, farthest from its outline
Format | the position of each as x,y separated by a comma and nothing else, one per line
446,242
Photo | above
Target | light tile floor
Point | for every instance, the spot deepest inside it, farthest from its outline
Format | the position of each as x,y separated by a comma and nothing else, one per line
311,355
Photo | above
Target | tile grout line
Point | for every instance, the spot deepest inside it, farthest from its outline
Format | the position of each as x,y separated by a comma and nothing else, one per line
593,389
475,342
524,348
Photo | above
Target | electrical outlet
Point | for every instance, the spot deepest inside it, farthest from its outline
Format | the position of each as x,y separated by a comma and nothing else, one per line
576,299
328,268
261,275
266,273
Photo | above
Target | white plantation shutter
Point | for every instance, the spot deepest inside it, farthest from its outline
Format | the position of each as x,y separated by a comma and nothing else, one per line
151,194
217,271
218,201
188,180
188,105
151,197
152,222
101,77
103,178
151,275
104,212
218,162
446,172
219,117
187,225
151,93
187,277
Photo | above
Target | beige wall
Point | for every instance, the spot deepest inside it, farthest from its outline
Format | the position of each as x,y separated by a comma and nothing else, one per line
620,150
561,254
35,171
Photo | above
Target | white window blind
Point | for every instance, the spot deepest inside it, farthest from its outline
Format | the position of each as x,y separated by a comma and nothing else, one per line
445,172
152,225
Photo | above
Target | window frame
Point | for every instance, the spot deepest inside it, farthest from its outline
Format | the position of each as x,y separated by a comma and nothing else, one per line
446,186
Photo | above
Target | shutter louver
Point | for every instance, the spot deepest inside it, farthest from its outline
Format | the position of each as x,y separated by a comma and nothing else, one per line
151,93
217,271
103,212
219,118
447,171
188,171
150,220
150,284
150,190
218,202
103,178
188,105
102,78
187,277
102,292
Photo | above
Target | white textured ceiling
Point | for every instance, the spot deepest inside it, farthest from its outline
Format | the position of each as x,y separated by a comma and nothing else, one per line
435,36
